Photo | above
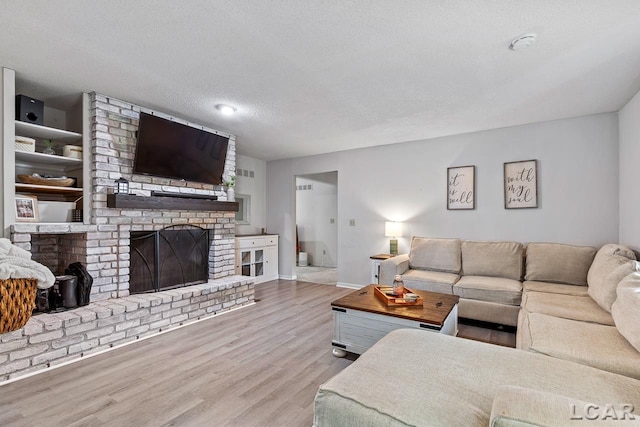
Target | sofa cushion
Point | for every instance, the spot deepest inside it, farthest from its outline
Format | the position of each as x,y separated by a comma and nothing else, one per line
495,259
572,307
432,281
494,289
586,343
610,265
554,288
450,381
554,262
435,254
626,309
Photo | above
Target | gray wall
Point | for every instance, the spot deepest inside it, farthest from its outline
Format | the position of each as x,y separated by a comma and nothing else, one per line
629,117
578,190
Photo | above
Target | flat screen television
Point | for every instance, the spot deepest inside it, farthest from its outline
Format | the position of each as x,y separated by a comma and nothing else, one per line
173,150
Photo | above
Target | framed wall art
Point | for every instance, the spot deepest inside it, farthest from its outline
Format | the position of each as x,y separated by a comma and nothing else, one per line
26,208
521,184
461,187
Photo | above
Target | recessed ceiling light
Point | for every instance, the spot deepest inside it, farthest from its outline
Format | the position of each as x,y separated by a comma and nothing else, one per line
226,109
523,42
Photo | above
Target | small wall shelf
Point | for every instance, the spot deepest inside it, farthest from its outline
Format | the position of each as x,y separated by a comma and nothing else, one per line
46,159
47,189
37,131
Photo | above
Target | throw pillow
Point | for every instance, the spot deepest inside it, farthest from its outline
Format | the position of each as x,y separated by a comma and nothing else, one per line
626,309
611,264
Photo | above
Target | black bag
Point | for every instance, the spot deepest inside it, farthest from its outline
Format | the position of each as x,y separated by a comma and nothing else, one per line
84,282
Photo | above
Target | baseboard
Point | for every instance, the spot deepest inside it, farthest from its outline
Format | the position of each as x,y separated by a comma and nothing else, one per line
294,277
349,285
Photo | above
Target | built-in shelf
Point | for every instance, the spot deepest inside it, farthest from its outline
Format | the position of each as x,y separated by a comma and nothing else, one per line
46,159
47,189
37,131
130,201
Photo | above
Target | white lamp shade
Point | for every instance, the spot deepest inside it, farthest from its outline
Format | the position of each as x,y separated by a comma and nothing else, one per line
392,229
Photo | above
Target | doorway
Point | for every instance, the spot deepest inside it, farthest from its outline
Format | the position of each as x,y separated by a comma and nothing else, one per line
317,228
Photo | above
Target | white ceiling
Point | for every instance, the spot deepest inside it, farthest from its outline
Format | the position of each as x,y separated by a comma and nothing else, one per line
313,76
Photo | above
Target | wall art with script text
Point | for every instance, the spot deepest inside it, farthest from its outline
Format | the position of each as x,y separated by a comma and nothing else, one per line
461,187
521,184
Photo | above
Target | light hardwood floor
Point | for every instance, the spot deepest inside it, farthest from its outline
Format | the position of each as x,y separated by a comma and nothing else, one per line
257,366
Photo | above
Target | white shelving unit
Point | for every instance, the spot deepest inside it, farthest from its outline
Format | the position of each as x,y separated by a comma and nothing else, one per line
14,162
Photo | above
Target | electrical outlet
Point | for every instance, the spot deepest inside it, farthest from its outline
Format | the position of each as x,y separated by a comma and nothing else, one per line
324,252
352,222
332,221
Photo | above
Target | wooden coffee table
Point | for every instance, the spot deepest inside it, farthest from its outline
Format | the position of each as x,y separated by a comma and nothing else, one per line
360,319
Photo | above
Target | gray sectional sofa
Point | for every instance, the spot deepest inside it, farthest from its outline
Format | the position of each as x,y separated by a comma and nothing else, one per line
577,360
592,325
489,277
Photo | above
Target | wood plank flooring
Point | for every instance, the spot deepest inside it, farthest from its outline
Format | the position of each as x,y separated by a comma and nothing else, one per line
257,366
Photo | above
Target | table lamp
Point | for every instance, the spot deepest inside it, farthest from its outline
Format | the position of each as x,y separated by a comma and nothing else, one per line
393,229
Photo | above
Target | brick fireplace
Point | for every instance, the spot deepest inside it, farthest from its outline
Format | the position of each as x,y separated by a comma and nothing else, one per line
114,316
104,246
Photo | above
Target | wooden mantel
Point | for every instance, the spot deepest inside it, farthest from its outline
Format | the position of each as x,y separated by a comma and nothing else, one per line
131,201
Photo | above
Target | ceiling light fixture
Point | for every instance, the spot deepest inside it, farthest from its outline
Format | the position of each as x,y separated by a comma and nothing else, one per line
226,109
523,42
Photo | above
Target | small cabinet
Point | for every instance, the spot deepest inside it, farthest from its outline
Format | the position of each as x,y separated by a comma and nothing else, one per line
257,256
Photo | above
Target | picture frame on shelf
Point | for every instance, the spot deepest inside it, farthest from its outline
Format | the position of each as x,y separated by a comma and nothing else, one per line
461,188
26,208
521,184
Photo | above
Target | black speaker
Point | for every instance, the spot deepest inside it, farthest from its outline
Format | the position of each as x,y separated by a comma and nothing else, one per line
29,110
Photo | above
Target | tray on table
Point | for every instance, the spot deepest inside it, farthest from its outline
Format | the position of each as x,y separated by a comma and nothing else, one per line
383,294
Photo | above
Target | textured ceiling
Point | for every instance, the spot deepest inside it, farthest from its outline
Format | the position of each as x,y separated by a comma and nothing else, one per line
312,77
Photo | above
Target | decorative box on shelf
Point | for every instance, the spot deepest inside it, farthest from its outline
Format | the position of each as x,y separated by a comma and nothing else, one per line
25,144
385,294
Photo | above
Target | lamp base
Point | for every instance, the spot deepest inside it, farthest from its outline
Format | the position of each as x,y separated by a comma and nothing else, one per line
393,247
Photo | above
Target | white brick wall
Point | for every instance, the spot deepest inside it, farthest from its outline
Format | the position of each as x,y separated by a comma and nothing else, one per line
114,126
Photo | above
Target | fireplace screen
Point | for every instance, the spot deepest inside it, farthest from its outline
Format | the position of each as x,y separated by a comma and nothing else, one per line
170,258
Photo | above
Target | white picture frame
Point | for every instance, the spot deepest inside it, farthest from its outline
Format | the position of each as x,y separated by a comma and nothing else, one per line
26,208
461,188
521,184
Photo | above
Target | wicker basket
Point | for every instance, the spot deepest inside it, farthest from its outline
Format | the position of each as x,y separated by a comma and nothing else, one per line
17,301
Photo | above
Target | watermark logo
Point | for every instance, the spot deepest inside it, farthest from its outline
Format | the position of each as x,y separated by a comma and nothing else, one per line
612,412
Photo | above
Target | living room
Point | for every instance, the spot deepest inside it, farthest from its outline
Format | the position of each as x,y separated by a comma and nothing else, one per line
387,98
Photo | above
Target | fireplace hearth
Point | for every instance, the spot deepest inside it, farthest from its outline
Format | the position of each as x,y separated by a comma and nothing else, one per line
169,258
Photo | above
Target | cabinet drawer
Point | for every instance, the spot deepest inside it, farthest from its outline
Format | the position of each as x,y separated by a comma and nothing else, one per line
253,242
271,241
